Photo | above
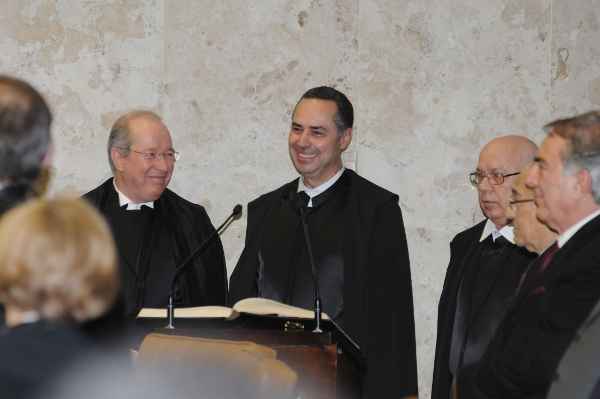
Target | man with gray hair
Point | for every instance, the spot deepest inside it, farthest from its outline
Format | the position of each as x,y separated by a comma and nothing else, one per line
560,288
24,142
154,228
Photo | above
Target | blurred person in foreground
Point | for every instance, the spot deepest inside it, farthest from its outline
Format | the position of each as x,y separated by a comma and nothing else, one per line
25,143
57,272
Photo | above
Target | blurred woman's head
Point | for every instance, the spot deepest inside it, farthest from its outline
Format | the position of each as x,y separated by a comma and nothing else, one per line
57,260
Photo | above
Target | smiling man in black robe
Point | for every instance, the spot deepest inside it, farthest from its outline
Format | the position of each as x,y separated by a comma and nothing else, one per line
358,241
154,228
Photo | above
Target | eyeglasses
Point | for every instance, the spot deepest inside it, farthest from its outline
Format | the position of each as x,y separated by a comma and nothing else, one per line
495,178
512,203
169,156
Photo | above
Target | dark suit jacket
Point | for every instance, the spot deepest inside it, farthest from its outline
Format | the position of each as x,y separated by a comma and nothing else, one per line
186,224
484,315
378,307
578,374
543,318
34,354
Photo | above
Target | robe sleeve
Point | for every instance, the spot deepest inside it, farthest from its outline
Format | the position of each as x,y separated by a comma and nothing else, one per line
391,350
243,281
216,271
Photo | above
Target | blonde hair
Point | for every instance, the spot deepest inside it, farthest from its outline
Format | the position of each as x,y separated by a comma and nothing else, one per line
58,258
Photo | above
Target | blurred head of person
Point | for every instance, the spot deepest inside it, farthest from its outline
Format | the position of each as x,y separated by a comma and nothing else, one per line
57,262
25,143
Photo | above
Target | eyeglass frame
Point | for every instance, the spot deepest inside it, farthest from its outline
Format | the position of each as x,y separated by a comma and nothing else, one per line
512,203
153,156
487,175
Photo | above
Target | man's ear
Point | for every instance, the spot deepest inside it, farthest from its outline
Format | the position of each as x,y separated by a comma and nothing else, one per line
584,181
117,158
346,139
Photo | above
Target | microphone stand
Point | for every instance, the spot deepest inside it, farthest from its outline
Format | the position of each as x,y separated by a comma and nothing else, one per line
235,214
317,304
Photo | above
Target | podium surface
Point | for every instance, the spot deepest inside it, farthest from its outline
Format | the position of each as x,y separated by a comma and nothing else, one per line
328,364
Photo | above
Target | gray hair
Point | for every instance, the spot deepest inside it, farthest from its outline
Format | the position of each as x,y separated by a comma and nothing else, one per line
119,133
582,133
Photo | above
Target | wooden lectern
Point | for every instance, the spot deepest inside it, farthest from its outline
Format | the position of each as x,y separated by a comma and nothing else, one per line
328,364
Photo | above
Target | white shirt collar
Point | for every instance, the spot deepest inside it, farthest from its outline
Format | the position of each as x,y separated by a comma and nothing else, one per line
30,316
313,192
490,228
570,232
131,206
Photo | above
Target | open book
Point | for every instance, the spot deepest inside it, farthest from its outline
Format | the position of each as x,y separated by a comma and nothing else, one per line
256,306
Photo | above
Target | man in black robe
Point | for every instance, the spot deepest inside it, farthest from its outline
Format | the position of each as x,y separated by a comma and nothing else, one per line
358,241
154,228
485,265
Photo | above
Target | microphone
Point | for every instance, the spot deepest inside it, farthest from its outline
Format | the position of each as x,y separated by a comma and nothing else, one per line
235,215
301,207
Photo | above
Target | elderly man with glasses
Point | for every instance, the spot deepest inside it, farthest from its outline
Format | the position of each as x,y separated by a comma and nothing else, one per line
485,265
154,228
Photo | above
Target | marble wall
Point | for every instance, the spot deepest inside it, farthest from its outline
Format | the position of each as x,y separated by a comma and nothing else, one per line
431,82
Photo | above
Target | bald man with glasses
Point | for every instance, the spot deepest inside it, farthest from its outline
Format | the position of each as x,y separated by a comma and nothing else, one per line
485,265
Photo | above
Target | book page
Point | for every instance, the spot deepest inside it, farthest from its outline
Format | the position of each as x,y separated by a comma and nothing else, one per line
189,313
263,306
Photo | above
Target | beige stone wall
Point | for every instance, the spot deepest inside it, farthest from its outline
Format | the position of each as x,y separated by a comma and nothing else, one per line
431,82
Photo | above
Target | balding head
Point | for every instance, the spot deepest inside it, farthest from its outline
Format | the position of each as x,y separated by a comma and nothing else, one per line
24,131
502,156
511,150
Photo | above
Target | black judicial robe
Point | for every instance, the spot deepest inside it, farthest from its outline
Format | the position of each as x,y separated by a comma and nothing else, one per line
494,283
169,233
377,290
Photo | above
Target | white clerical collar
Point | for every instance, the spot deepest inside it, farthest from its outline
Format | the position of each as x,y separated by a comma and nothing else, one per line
131,206
570,232
321,188
490,228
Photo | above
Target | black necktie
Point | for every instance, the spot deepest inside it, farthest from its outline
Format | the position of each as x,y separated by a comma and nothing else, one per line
539,265
500,242
547,256
304,198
